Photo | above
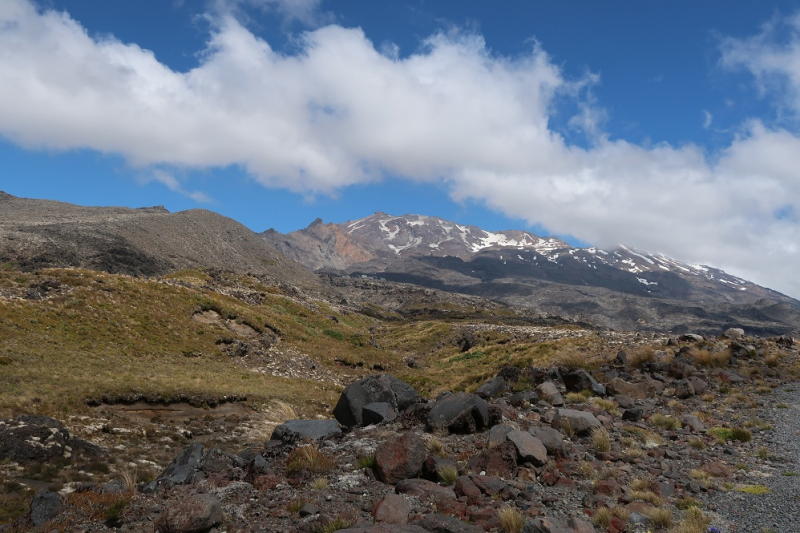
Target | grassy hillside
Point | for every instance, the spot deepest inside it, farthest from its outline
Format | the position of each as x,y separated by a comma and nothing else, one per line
68,336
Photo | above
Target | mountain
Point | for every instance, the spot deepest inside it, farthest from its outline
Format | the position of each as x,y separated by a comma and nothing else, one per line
621,288
141,242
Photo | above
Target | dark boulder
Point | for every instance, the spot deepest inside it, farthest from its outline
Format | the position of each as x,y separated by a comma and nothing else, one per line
382,388
45,506
378,412
459,413
578,379
293,431
494,387
33,439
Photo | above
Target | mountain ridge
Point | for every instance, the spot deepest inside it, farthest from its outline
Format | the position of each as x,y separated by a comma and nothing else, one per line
622,288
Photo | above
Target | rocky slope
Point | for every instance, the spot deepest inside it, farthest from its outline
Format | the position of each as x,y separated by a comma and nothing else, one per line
621,288
146,241
651,440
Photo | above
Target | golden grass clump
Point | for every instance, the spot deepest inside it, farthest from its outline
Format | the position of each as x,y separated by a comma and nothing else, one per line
601,440
309,458
319,483
602,518
647,496
694,521
709,359
610,406
641,356
511,520
447,474
660,518
665,422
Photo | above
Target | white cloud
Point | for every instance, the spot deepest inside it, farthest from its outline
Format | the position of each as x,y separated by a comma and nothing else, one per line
772,56
708,118
172,183
307,12
341,112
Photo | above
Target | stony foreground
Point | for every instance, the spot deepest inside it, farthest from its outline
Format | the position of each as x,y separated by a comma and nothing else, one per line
638,444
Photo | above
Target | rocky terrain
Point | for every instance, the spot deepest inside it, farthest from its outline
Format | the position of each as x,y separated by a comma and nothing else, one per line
174,372
621,288
141,242
649,440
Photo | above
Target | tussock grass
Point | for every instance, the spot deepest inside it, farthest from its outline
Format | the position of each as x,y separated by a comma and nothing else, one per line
447,474
665,422
601,440
309,458
709,359
694,521
660,518
511,520
647,496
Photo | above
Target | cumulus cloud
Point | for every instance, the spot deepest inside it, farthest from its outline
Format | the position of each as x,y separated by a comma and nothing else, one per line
341,111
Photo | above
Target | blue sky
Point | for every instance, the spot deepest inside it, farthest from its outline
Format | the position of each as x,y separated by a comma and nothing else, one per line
668,126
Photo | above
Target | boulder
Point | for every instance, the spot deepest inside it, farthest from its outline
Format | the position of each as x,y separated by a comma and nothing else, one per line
381,388
293,431
498,434
733,333
548,392
551,438
196,513
494,387
183,469
500,461
430,469
634,414
33,439
400,457
424,489
392,509
459,413
45,506
619,386
691,337
699,385
464,487
582,422
578,379
684,389
378,412
529,448
693,423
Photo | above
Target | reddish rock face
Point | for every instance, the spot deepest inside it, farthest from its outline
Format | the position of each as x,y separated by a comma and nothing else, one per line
392,509
400,458
500,461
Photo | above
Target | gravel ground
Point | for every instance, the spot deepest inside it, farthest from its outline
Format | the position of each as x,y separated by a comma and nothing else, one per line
777,511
